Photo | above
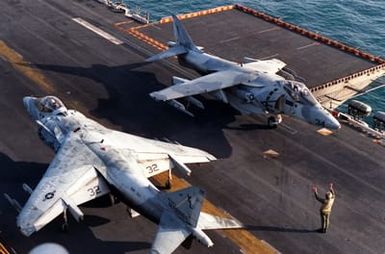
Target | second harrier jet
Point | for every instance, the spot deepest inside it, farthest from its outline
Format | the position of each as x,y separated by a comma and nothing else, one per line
254,87
91,159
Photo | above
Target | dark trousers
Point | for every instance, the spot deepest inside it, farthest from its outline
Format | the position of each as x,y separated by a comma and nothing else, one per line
325,221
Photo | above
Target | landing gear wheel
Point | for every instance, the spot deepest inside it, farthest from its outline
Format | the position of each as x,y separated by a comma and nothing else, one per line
169,180
272,122
112,199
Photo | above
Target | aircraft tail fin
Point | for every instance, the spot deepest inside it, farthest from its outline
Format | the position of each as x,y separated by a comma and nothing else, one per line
173,230
181,36
187,204
182,45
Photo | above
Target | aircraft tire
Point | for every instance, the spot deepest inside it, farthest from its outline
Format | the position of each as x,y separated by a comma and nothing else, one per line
272,122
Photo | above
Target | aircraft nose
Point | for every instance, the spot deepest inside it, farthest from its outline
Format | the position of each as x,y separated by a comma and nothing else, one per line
332,123
327,120
27,100
29,105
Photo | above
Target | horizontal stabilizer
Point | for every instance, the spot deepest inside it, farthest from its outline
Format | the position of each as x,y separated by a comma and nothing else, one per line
208,221
188,203
171,234
174,51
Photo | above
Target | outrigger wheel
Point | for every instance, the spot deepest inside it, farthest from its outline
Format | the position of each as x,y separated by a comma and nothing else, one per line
168,184
169,180
64,226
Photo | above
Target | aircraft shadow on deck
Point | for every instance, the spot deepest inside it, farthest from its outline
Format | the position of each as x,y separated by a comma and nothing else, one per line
130,106
80,237
248,127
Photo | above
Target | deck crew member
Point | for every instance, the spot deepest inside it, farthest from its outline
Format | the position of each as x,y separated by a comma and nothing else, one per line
326,206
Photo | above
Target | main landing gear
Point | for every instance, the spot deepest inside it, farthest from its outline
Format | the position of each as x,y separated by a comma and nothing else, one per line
169,180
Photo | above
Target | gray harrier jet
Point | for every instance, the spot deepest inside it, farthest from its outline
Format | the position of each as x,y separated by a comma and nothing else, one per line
254,87
91,160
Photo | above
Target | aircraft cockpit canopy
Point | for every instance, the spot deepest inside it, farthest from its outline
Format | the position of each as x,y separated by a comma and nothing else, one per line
50,104
299,92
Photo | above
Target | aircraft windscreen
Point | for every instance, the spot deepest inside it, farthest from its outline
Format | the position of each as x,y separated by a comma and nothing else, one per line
49,104
308,96
299,92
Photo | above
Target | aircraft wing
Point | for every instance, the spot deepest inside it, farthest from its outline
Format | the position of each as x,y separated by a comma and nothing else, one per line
156,156
267,66
69,181
205,84
165,156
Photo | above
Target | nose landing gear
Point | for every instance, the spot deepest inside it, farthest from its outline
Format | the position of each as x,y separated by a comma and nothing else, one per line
274,120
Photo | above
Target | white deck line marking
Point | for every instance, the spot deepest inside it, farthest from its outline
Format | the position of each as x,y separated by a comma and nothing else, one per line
268,57
98,31
230,39
269,30
309,45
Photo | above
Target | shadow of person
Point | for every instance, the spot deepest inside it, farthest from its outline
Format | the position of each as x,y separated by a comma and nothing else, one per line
279,229
129,105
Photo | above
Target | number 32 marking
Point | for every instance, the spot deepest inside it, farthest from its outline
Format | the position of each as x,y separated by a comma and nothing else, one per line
94,191
152,168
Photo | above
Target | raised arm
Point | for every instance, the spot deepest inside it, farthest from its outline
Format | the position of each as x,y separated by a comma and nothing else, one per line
332,189
316,195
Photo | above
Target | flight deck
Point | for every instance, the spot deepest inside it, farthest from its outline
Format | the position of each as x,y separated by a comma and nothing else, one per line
263,177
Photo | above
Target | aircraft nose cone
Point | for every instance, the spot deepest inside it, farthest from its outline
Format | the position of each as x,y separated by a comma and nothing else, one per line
29,105
321,117
332,124
26,101
327,120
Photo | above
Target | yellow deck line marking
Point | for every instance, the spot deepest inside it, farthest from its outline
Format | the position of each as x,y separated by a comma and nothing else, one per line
270,154
150,41
17,61
199,13
325,132
241,237
3,250
157,44
123,22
